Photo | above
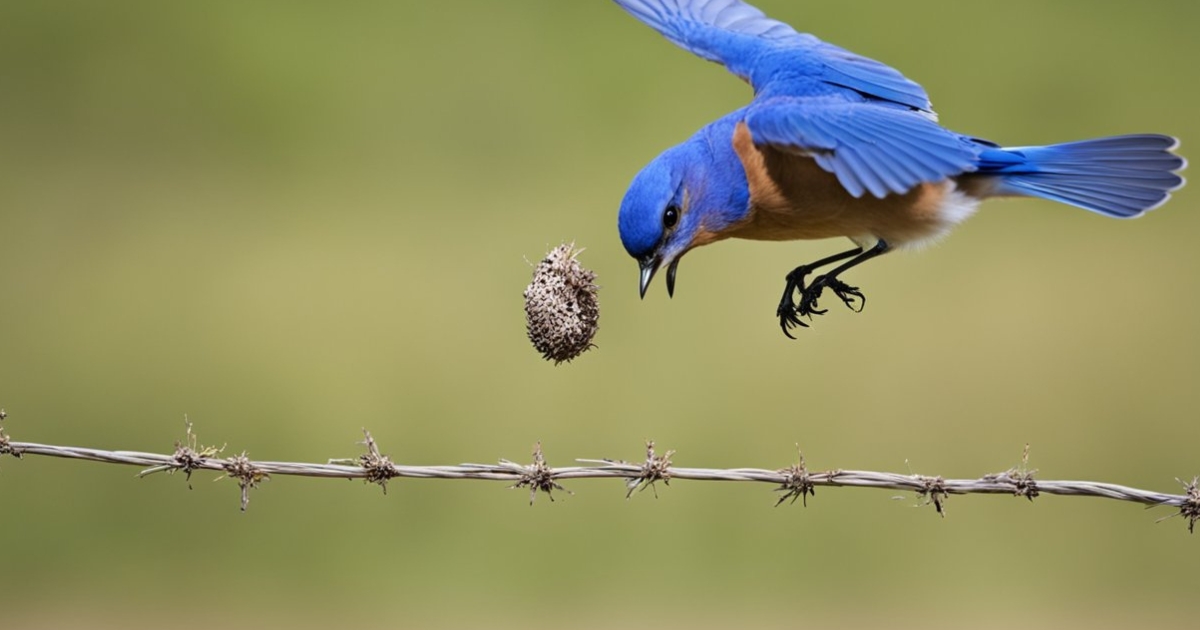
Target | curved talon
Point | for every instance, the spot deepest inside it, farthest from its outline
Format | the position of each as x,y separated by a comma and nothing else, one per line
809,296
787,311
787,322
849,295
811,309
788,315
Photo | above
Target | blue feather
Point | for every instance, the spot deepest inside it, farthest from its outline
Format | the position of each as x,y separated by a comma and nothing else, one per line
771,54
872,149
872,77
1120,176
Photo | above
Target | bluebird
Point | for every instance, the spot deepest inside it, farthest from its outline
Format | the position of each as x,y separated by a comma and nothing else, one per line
834,144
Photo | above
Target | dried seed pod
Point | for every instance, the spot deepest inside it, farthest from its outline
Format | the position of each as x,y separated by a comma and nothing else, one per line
561,310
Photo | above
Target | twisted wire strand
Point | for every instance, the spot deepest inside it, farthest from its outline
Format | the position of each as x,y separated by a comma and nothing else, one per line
794,482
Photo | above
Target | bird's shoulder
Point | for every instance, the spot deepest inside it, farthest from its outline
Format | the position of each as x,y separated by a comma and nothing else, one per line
817,68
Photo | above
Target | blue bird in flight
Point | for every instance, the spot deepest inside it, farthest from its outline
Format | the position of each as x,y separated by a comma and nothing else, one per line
836,144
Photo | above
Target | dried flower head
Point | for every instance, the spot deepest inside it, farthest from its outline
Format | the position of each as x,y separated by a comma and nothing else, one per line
561,310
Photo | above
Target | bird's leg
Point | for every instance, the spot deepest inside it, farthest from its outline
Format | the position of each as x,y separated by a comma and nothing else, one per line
850,296
788,313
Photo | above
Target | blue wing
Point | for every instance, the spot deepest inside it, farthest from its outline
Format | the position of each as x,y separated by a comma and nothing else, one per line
771,55
870,147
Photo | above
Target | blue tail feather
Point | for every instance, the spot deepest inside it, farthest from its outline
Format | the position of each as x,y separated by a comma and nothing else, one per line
1121,176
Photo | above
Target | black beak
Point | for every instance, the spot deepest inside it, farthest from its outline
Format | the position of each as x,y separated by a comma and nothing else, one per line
671,277
647,266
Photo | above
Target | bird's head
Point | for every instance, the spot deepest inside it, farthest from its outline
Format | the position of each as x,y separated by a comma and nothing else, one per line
665,213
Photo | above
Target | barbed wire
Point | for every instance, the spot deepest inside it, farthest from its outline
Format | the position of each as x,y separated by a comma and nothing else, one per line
793,482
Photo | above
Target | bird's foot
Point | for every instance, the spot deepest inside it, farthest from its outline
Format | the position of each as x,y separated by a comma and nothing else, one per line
791,314
787,312
850,296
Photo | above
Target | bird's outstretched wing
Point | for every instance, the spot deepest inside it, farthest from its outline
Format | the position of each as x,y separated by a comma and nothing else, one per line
770,55
858,118
871,148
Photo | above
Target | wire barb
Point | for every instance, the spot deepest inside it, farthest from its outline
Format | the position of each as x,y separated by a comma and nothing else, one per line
377,468
1020,478
656,468
797,482
248,475
189,455
933,490
6,447
1190,508
538,477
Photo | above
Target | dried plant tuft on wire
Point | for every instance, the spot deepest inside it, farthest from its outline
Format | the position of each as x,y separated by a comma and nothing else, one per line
6,447
1021,478
933,490
377,466
656,468
538,477
795,481
247,474
189,453
562,312
1190,510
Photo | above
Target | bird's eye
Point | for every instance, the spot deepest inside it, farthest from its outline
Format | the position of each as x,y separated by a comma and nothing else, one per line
670,217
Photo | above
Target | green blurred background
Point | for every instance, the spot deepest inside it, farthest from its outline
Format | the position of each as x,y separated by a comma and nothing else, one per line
293,220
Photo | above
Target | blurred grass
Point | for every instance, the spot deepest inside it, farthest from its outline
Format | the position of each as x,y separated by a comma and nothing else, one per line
293,220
